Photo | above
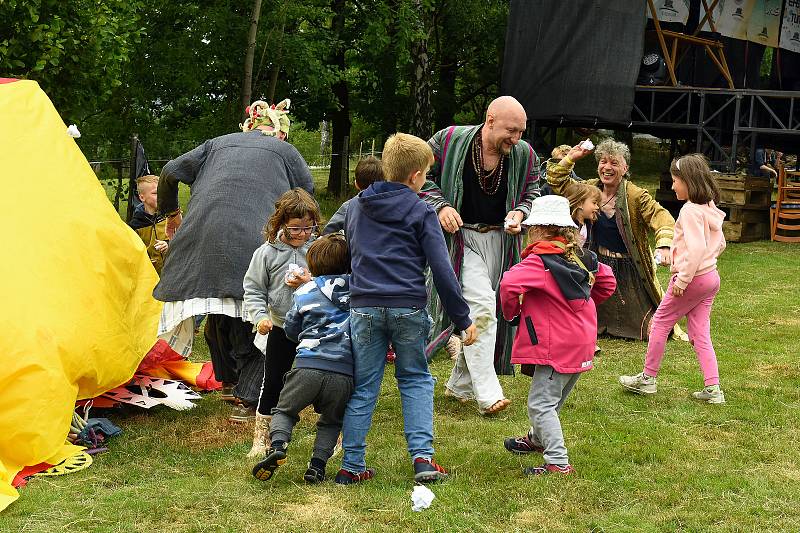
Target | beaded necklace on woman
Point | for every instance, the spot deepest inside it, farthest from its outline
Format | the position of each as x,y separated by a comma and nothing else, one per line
489,180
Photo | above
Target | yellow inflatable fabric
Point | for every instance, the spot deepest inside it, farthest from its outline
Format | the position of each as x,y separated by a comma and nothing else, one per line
76,283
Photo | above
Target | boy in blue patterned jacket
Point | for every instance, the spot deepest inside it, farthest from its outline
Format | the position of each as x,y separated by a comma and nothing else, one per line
323,369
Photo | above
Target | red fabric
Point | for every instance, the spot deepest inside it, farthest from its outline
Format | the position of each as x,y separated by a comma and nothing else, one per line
161,352
8,80
164,362
206,380
543,247
565,331
21,479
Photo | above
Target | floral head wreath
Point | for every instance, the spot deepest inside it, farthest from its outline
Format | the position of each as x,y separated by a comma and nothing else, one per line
276,117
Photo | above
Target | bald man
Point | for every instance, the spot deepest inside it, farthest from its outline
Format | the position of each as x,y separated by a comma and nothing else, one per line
482,185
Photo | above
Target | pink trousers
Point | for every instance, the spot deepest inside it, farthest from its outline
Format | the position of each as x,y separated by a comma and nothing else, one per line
695,304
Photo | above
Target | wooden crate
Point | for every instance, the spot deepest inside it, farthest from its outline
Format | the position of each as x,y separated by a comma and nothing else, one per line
745,231
745,200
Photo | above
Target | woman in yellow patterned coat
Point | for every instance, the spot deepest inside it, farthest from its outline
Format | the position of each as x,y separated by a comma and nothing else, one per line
628,214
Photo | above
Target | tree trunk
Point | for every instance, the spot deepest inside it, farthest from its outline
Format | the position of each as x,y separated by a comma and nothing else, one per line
422,118
247,84
276,61
340,117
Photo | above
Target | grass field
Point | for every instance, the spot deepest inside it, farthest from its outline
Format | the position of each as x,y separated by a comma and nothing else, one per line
660,463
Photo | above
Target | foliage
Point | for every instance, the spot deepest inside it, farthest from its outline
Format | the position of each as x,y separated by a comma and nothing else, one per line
77,50
172,71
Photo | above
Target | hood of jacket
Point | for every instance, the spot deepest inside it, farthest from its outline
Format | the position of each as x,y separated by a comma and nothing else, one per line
335,288
141,219
387,201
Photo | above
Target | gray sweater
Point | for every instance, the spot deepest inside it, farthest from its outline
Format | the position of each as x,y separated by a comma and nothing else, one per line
266,294
235,180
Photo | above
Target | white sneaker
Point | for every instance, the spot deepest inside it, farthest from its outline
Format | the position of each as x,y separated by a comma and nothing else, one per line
641,383
710,394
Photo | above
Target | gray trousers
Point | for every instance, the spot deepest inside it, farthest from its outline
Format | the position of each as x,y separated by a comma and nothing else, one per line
548,391
328,392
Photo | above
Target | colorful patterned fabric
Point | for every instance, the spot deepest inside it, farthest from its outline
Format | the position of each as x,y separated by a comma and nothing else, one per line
445,188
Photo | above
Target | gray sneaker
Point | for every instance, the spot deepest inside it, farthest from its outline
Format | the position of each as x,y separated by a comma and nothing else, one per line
641,383
710,394
242,413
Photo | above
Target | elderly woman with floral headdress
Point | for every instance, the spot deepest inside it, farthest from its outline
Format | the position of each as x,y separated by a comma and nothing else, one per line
235,180
628,216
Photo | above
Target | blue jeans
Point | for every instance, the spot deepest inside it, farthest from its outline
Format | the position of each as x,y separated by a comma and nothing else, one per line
372,329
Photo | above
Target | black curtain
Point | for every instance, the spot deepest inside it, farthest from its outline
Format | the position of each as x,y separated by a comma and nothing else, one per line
576,59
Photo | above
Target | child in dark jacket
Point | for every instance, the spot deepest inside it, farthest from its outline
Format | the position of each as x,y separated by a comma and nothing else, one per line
393,235
319,321
150,225
558,285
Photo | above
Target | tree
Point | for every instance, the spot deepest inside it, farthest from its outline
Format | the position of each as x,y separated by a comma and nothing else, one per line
247,83
77,51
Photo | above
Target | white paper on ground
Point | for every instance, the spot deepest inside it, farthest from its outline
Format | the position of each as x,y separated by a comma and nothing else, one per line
421,498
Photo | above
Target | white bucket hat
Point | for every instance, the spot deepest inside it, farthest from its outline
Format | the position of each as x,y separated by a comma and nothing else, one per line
550,210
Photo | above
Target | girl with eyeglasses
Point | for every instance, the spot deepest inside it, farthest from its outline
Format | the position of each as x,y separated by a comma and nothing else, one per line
278,268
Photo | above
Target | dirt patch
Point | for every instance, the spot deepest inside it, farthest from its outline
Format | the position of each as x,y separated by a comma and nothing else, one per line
782,370
314,506
218,432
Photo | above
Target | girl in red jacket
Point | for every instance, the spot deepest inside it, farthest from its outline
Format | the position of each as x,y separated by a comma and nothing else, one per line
551,294
697,243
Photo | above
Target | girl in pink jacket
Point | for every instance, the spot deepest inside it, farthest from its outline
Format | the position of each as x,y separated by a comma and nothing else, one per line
551,295
697,243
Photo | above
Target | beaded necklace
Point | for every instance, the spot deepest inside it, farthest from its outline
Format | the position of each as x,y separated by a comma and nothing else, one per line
488,180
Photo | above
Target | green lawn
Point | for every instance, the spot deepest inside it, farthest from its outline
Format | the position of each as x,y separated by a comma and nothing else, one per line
661,463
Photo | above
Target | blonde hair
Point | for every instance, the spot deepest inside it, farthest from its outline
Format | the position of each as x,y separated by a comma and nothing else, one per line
547,233
693,169
403,155
560,151
612,148
295,203
572,251
149,178
577,192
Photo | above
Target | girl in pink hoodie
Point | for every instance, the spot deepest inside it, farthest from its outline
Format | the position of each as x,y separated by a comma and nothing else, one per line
551,295
697,243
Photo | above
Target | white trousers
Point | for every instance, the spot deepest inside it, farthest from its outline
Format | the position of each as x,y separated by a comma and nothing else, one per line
473,376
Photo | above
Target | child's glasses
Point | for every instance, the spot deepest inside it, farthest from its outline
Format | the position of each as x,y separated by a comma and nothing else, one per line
296,231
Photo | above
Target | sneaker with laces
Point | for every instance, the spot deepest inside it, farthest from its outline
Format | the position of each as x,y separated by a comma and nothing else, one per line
266,467
710,394
549,469
641,383
242,413
522,445
427,471
345,477
314,474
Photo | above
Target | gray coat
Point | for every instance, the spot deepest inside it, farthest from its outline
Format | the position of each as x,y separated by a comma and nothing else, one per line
235,180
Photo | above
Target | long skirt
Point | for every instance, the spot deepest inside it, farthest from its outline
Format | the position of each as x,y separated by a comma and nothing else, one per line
628,311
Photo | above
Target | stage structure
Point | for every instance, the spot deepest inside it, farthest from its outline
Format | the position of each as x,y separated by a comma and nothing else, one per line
684,70
568,74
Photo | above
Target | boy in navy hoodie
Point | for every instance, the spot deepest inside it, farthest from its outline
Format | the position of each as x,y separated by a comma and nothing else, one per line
323,369
393,235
